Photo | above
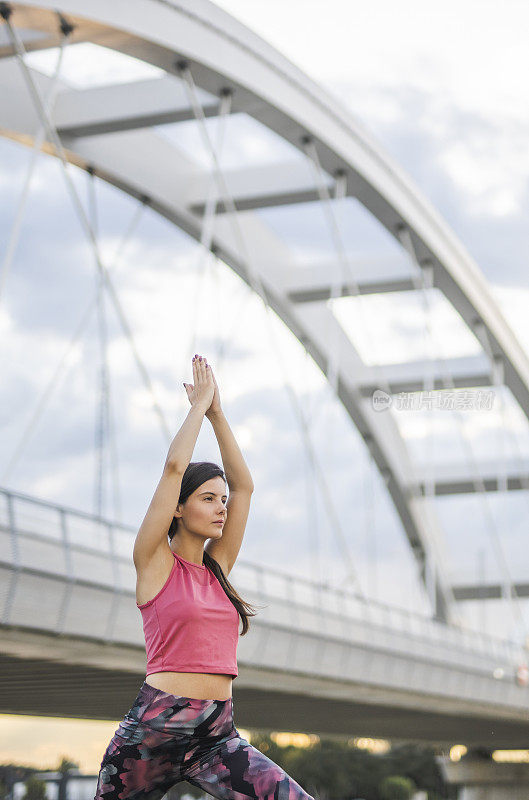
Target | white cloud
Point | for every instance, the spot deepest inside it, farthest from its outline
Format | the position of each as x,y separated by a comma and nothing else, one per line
405,44
371,56
490,166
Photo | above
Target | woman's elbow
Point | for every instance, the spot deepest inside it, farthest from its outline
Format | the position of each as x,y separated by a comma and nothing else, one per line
174,467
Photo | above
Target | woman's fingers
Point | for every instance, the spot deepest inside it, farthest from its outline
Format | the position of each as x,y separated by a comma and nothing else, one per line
200,369
204,382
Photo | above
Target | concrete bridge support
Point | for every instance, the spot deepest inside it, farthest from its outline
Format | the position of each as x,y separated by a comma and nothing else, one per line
487,779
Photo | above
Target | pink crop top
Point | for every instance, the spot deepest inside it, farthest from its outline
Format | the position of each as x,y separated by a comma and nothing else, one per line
190,625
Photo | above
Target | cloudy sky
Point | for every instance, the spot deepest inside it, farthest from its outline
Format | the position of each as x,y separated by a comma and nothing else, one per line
443,90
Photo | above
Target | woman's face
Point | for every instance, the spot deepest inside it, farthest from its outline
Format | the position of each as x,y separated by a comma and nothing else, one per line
204,507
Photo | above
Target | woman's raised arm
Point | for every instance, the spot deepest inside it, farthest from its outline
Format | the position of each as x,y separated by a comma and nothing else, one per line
153,530
237,473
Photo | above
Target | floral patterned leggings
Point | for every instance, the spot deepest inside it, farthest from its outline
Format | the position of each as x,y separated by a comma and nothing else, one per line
167,738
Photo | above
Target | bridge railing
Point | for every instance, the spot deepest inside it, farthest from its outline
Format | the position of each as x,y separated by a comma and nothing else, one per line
41,538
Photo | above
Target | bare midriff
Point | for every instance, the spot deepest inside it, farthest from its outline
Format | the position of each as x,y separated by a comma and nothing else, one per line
199,685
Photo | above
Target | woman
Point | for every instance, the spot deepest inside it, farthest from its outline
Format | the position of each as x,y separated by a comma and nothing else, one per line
174,731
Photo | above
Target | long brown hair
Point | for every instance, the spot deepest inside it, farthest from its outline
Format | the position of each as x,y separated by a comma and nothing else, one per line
197,473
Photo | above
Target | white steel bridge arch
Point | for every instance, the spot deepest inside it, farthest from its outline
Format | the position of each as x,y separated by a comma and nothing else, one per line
107,129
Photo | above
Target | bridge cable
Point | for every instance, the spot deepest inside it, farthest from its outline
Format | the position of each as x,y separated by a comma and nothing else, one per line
207,242
207,255
103,430
418,277
508,588
45,396
208,220
427,379
432,568
314,515
55,139
337,284
100,377
40,135
256,284
422,281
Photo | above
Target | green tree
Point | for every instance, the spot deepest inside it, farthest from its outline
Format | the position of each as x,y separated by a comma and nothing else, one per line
418,763
334,770
35,789
330,769
396,787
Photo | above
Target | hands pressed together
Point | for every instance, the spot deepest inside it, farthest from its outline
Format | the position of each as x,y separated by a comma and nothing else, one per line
203,392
